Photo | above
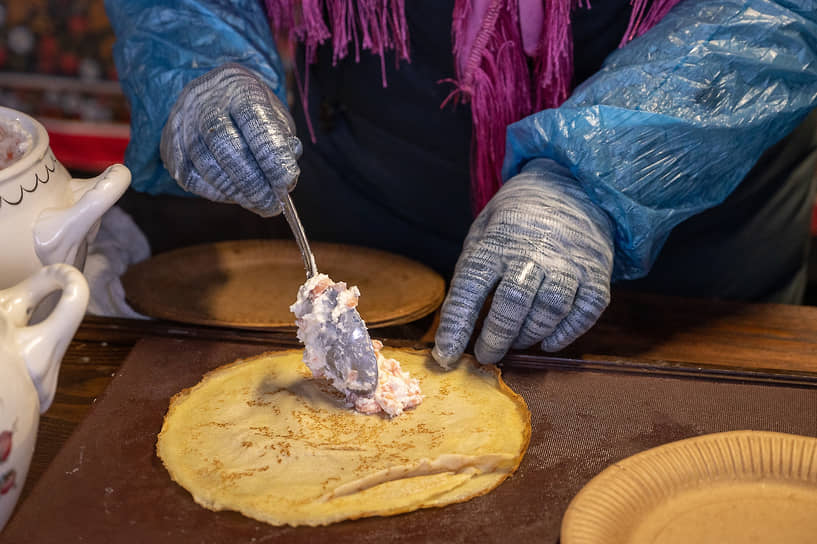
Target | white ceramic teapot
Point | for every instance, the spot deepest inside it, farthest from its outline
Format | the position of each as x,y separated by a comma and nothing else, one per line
30,357
45,216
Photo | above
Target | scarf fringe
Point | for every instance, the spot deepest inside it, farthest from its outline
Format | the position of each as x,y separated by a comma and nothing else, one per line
493,75
495,79
553,70
374,25
641,19
377,26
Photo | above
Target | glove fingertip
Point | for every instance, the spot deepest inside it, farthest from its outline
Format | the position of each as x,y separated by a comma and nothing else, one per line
551,345
294,181
445,360
565,334
295,146
269,212
487,355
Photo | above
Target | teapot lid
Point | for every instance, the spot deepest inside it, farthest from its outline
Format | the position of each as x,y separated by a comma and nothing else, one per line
37,147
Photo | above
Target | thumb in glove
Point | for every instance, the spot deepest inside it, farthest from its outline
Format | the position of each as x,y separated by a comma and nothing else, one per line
228,138
548,250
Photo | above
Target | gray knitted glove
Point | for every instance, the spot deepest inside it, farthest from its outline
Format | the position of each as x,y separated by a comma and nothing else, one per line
230,139
551,251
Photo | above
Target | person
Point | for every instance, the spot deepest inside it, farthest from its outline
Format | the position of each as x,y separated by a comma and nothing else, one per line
561,148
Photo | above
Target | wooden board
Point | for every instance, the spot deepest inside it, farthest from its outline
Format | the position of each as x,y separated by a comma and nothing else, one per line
251,283
107,485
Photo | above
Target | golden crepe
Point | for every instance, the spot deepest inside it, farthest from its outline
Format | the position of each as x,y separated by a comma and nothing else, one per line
262,437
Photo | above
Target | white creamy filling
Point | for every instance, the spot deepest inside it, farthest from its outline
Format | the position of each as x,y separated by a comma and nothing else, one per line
396,390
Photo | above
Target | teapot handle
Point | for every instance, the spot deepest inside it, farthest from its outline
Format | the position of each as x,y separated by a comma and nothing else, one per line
42,345
59,233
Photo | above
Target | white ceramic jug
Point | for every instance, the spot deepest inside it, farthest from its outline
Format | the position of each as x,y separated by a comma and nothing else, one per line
46,216
30,357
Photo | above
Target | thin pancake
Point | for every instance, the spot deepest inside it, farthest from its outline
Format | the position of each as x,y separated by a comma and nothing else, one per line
262,437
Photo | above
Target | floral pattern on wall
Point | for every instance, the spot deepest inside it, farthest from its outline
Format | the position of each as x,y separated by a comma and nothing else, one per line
56,60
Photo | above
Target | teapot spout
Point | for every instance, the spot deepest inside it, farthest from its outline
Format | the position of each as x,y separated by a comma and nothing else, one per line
61,234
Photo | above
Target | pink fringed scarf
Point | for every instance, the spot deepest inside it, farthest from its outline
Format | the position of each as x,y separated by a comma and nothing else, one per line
493,42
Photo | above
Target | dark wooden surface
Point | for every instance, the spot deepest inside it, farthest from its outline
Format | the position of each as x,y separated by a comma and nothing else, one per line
637,333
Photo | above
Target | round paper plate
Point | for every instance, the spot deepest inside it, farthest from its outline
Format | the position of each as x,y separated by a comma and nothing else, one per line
251,283
734,487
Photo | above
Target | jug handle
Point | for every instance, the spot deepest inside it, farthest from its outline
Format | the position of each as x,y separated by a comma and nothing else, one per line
60,232
43,345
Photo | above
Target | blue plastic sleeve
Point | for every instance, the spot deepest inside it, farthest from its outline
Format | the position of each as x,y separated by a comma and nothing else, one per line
162,45
676,119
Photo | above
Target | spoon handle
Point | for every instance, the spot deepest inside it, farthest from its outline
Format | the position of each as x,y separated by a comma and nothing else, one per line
300,237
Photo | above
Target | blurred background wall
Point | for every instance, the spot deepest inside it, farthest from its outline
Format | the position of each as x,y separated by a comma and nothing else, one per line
56,65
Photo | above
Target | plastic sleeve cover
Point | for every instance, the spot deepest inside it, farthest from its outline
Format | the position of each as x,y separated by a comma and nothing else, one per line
676,119
162,45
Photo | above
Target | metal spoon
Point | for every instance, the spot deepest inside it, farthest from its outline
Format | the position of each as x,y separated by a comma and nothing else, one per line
300,237
350,357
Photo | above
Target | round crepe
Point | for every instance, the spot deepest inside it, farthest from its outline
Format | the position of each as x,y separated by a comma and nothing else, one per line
262,437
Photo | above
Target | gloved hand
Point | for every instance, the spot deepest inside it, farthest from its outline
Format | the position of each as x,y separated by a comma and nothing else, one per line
230,139
551,250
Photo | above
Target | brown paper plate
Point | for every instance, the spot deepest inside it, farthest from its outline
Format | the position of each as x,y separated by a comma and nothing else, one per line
251,283
739,486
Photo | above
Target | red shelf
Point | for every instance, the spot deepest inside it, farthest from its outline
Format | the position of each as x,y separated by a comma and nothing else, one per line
87,147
